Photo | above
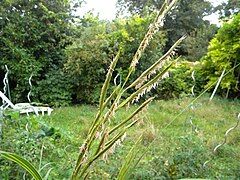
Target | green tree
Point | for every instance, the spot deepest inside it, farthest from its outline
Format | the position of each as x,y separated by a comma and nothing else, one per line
90,54
197,42
227,9
185,17
88,59
33,37
223,53
138,6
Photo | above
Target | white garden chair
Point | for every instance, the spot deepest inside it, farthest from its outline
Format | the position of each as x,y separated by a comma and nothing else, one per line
23,107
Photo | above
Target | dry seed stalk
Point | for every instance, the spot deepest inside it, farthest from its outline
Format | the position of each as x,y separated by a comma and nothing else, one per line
84,162
113,147
104,140
151,84
109,144
162,61
155,69
148,84
149,88
152,30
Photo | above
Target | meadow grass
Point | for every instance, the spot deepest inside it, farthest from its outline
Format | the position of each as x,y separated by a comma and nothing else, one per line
213,117
173,151
74,119
210,121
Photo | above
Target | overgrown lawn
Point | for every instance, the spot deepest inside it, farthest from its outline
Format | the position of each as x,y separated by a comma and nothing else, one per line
172,143
173,146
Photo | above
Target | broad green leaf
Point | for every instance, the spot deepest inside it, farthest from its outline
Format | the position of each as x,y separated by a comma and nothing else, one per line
22,162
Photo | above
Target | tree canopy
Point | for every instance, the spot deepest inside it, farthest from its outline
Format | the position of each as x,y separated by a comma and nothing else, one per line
89,56
33,37
227,9
68,56
186,17
223,53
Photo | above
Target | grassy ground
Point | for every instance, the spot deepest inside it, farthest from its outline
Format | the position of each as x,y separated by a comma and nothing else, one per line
175,144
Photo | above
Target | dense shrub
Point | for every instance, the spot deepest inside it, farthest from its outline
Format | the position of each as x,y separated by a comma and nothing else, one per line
178,160
55,89
90,55
33,38
180,81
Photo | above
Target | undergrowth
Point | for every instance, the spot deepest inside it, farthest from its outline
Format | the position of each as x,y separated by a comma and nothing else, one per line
178,151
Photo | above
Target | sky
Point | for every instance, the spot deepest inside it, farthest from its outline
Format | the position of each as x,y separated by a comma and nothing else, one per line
214,17
106,9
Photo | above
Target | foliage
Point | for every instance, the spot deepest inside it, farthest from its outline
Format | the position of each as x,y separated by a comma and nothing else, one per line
33,37
138,7
103,137
228,8
180,81
224,52
59,89
197,42
87,60
42,145
109,127
90,54
210,120
185,17
183,159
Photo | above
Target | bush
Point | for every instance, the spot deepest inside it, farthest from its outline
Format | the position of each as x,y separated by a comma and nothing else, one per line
180,82
55,89
183,157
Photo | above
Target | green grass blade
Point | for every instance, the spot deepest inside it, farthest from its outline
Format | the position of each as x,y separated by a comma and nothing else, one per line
124,172
131,115
108,100
48,173
22,162
107,80
44,167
